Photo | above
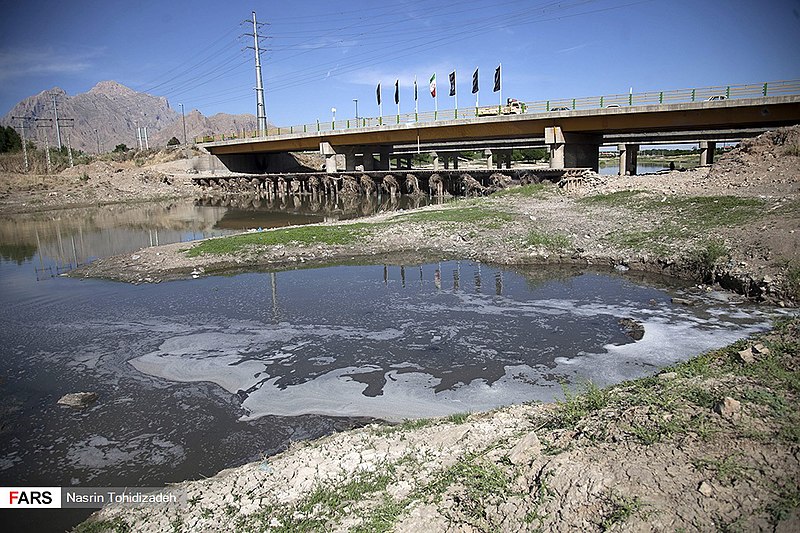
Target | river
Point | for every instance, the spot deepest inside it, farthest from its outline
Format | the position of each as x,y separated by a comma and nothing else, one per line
198,375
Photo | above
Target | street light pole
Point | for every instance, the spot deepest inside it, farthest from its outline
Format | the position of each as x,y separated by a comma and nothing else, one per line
183,116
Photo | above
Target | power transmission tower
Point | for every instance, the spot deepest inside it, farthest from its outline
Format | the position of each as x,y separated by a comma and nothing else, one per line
261,108
24,142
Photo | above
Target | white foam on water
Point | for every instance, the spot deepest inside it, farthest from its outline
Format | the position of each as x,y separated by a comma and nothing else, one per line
238,359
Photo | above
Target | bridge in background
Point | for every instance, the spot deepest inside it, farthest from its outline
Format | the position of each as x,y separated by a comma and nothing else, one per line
572,130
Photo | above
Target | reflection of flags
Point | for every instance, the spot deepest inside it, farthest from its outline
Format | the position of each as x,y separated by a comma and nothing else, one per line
433,85
497,78
396,91
475,81
453,83
378,92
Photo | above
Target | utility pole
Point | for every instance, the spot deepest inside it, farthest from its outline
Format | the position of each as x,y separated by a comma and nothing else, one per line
45,123
55,114
183,116
70,124
261,109
24,142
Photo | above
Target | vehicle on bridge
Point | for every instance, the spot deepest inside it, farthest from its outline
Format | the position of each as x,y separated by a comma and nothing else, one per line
512,107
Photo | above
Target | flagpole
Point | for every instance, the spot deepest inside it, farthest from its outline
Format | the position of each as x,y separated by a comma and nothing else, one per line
478,92
500,66
416,102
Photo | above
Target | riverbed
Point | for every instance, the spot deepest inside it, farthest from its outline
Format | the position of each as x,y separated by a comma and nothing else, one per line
198,375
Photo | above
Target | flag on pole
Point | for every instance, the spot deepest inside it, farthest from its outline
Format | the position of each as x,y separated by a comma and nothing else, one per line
497,78
433,85
396,91
415,88
475,81
453,83
378,92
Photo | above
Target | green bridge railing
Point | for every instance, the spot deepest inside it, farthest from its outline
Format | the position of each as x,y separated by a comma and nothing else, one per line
680,96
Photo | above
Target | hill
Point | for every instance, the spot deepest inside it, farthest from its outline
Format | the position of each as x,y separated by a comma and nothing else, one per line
109,113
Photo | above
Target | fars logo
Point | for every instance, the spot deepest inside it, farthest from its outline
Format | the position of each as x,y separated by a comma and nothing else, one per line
30,497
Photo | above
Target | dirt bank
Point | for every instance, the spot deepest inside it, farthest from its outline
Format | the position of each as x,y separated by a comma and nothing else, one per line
711,444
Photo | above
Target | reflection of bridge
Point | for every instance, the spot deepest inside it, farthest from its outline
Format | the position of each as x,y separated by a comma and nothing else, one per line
572,130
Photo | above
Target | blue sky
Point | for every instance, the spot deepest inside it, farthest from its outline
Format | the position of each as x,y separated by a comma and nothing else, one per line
323,54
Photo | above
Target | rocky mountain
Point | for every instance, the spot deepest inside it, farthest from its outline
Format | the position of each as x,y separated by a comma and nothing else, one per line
109,114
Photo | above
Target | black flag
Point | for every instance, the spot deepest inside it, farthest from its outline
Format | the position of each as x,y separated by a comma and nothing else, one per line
396,91
453,83
378,92
415,89
496,79
475,81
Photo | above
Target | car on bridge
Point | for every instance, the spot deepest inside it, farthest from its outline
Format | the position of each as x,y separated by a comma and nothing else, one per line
716,98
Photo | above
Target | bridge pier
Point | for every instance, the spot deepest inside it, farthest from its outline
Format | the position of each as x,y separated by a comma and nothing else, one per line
707,152
367,159
628,159
435,159
488,154
573,150
385,152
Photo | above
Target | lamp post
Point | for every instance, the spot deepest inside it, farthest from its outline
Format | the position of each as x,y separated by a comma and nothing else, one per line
356,102
183,116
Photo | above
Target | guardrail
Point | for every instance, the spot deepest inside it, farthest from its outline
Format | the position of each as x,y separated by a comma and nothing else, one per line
680,96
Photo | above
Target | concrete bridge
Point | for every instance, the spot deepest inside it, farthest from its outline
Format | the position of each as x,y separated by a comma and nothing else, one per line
572,130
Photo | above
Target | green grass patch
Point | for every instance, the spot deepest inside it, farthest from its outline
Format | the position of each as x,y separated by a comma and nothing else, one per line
322,508
458,418
305,235
622,509
575,407
554,242
117,525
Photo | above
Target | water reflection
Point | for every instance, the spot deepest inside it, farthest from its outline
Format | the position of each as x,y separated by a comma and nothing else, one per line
61,240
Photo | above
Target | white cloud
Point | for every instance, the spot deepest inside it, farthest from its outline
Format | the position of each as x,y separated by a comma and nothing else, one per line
22,63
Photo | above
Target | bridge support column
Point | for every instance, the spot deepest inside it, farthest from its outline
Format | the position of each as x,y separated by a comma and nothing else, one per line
488,154
349,158
628,159
508,159
707,152
435,159
327,150
385,163
455,160
573,150
368,160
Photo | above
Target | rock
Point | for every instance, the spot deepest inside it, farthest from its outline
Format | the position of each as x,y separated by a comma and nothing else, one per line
760,349
632,328
728,407
668,376
746,356
79,400
682,301
525,450
705,489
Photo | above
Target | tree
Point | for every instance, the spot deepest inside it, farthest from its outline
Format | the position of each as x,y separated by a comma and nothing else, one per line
10,141
121,148
173,142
